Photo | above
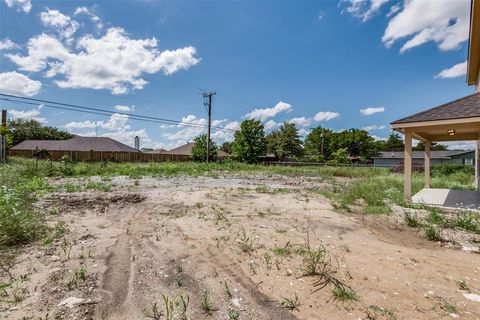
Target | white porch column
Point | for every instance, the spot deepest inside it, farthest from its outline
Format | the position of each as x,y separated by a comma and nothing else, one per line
407,169
427,164
477,165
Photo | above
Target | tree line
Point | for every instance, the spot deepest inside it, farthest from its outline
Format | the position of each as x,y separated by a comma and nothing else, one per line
251,144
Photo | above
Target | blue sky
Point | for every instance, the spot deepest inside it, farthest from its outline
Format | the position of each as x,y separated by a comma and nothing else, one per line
310,62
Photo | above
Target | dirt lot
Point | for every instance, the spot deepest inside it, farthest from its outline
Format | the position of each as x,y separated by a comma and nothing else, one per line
236,246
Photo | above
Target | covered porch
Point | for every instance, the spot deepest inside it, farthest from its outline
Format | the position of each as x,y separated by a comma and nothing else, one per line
457,120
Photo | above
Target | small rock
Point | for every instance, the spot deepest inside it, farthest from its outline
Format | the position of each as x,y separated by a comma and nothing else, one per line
71,302
454,315
472,297
289,272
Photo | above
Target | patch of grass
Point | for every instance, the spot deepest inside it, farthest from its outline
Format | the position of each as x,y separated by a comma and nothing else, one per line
432,233
467,221
463,285
316,261
183,301
449,307
246,243
205,302
412,221
377,210
291,303
233,315
374,312
76,277
20,221
435,216
344,294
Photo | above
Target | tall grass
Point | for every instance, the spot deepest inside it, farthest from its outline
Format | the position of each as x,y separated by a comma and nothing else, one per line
138,169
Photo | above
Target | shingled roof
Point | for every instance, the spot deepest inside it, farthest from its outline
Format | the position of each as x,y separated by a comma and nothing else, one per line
76,143
466,107
447,154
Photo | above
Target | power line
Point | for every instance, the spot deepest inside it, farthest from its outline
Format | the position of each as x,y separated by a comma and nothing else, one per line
91,110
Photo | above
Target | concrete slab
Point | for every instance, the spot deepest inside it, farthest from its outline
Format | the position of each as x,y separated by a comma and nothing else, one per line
431,196
455,199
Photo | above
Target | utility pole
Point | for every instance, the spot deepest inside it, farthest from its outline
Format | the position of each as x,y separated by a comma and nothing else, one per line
208,104
3,142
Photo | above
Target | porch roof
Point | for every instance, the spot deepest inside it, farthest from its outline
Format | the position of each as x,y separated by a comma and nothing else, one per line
457,120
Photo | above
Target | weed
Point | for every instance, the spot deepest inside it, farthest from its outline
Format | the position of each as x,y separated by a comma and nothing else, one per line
291,303
156,313
178,281
233,315
183,301
448,307
168,304
432,233
468,222
463,285
344,293
316,261
77,275
434,216
373,311
412,221
227,289
205,302
245,242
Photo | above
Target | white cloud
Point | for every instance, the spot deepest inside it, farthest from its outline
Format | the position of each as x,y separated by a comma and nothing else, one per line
28,114
7,44
394,9
301,121
114,61
444,22
59,22
264,114
224,134
124,108
93,17
116,127
18,84
458,70
326,116
270,124
370,111
377,138
117,122
374,127
363,9
24,5
303,132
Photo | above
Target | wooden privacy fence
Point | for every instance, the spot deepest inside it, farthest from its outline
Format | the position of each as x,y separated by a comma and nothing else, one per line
103,156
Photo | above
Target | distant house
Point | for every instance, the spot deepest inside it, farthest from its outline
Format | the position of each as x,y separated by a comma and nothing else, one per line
76,143
186,149
78,148
391,159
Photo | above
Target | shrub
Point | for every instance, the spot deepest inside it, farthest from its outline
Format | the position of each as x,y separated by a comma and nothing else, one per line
19,223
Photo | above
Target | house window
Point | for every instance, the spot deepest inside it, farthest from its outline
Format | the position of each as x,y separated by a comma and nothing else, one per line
469,162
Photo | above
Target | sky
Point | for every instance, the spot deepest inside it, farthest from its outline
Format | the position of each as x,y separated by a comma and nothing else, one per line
339,64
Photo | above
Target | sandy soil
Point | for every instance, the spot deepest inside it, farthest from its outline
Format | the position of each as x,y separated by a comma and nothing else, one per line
194,235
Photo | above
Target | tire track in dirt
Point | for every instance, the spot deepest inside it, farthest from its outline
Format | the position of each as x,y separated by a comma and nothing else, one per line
116,279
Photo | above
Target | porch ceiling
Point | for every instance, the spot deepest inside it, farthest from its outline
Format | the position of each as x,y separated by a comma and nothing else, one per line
442,130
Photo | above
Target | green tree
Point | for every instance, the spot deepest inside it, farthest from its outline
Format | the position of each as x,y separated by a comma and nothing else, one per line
357,142
340,156
317,144
249,142
199,150
19,130
433,147
393,143
227,147
285,143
